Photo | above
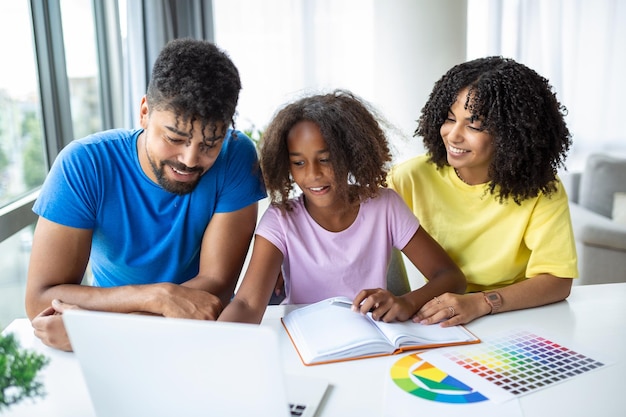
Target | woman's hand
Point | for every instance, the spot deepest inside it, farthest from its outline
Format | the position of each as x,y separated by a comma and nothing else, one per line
452,309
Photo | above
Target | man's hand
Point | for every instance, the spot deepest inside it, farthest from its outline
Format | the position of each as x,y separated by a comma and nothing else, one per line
183,302
48,326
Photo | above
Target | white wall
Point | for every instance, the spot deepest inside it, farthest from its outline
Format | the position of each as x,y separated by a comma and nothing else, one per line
417,41
409,61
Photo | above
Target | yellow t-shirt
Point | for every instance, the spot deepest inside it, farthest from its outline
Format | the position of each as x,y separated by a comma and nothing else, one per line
495,244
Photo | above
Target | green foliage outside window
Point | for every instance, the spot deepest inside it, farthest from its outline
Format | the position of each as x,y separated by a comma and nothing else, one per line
34,164
4,160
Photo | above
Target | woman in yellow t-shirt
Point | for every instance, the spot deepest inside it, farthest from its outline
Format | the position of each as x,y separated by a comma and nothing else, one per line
487,189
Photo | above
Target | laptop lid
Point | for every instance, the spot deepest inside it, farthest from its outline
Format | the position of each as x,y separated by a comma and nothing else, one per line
137,365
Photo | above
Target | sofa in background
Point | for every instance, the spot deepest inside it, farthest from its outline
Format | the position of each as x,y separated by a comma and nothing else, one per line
598,209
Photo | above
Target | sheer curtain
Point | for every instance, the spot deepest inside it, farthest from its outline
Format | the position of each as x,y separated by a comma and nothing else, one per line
578,46
150,24
287,48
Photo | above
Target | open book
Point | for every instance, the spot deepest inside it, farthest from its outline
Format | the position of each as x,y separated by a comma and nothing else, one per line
329,331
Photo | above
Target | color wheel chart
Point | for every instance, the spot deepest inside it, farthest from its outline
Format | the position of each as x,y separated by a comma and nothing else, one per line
418,377
510,365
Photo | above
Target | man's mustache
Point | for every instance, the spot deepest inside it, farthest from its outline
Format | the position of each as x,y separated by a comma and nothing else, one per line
182,167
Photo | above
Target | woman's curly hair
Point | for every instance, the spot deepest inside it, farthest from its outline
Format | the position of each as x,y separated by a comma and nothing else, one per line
352,129
197,81
518,108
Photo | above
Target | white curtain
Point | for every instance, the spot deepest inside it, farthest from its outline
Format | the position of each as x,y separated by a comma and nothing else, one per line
578,45
150,25
285,48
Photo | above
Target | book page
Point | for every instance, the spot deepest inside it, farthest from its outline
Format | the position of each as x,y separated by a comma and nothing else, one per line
330,330
409,333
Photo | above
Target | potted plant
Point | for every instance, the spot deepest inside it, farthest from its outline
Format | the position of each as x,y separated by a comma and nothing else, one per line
18,372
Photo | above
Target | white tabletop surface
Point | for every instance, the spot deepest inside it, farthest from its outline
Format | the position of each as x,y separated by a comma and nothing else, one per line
593,318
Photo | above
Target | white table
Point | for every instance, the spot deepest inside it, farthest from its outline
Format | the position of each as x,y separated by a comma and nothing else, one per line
593,317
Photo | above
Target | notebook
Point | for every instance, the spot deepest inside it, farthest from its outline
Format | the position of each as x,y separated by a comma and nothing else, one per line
138,365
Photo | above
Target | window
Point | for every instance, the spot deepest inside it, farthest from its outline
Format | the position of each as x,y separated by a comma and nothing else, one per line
22,157
51,85
14,256
81,59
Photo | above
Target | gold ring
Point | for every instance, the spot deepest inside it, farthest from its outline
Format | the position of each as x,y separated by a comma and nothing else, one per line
437,300
452,312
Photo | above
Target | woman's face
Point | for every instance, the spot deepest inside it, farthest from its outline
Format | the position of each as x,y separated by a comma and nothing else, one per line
469,148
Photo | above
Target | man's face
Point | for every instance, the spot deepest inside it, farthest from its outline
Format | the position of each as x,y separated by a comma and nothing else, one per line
175,154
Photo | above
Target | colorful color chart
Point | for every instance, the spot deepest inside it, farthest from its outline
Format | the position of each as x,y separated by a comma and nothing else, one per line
522,362
420,378
499,369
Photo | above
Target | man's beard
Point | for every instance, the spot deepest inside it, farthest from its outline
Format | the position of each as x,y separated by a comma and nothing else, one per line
175,187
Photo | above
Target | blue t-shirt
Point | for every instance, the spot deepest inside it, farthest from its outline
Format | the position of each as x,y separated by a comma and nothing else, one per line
142,233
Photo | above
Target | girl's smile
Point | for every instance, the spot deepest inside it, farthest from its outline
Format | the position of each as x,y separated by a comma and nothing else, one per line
310,164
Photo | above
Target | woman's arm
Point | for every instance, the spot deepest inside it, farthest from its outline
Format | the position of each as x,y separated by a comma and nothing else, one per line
534,292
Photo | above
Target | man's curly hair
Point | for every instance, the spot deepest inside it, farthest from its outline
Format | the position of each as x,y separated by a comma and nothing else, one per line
518,108
197,81
359,152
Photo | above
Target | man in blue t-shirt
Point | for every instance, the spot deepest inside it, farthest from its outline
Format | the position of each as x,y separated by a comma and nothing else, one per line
164,214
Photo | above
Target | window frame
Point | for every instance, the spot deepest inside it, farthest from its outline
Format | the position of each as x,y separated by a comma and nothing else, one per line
55,94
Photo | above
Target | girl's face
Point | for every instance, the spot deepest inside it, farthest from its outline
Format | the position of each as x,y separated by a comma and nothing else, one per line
470,149
310,165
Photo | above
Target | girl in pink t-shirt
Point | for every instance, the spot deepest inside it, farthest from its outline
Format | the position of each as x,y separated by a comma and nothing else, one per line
336,237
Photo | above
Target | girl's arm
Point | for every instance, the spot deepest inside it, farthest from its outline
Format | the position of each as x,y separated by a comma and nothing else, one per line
442,275
250,301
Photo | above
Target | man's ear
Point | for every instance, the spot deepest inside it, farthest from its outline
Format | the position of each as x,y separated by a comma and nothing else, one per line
144,112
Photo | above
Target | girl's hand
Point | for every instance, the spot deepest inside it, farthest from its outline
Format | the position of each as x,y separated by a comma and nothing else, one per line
383,305
452,309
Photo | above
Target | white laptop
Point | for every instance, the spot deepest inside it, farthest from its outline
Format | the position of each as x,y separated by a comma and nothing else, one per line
137,365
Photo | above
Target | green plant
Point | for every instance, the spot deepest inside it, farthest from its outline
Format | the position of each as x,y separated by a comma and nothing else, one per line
18,372
255,134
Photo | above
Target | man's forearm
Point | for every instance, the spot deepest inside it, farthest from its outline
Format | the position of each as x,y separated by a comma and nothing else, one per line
122,299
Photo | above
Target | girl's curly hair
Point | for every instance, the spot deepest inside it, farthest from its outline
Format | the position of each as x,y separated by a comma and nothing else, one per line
518,108
358,147
197,81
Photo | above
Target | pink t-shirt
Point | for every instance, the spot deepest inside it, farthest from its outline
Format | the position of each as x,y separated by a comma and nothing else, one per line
319,264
